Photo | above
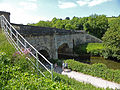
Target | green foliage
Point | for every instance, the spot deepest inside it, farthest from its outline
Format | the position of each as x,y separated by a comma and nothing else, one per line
4,44
30,81
91,48
97,70
111,40
96,25
14,76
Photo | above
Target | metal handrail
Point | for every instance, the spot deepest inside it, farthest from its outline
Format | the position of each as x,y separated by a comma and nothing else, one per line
8,30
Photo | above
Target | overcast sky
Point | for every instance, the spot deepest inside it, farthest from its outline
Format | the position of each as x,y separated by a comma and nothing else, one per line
32,11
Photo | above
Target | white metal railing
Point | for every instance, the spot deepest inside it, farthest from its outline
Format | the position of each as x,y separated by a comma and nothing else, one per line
18,41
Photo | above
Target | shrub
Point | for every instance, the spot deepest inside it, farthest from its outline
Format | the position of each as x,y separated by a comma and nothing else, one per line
97,70
14,76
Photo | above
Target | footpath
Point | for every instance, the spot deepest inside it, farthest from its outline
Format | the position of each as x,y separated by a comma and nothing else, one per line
98,82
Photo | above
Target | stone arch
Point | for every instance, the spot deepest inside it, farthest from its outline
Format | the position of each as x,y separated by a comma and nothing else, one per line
62,47
62,50
45,51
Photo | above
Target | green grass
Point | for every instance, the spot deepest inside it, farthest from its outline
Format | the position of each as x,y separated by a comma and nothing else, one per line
5,46
91,48
94,46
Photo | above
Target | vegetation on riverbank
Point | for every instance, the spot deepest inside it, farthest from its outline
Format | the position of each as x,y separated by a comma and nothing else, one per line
111,40
94,49
97,70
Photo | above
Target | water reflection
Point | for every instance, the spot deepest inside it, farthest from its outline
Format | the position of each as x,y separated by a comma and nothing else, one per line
110,64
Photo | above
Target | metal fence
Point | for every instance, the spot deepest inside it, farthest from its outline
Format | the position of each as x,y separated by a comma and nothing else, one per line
20,43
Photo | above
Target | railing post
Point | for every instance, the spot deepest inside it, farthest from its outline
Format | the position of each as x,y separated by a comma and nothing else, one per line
10,32
25,45
37,60
17,38
52,71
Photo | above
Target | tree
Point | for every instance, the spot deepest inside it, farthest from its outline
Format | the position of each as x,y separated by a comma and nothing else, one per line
67,18
96,25
68,26
112,40
59,24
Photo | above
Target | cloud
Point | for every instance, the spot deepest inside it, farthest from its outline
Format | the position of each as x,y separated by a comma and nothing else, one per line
96,2
82,3
63,5
91,2
19,14
33,0
28,5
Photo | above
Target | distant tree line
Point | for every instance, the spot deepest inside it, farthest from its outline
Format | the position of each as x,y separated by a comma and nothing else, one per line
94,24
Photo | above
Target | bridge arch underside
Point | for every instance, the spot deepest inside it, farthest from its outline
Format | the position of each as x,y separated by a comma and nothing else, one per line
45,52
63,50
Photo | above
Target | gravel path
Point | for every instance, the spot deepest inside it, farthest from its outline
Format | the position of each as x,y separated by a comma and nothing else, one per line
98,82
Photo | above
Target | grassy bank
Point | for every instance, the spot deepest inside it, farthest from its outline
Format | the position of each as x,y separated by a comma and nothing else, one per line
5,46
94,49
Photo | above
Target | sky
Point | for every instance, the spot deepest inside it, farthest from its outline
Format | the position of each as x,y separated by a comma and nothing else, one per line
32,11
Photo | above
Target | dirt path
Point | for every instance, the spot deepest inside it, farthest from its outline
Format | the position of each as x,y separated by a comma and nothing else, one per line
98,82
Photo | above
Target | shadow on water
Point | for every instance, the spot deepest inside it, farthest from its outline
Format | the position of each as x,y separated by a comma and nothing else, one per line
86,58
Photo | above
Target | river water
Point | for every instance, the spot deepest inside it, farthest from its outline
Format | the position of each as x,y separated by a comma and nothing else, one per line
92,60
109,63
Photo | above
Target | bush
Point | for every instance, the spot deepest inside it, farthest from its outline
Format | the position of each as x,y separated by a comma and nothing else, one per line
18,75
32,82
97,70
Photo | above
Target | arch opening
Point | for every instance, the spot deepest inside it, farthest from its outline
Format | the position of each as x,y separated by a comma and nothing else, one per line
63,50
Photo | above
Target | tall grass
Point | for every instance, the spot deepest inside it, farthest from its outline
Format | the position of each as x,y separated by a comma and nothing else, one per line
5,46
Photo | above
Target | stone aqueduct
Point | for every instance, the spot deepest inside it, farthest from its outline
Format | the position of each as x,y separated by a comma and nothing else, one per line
51,41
